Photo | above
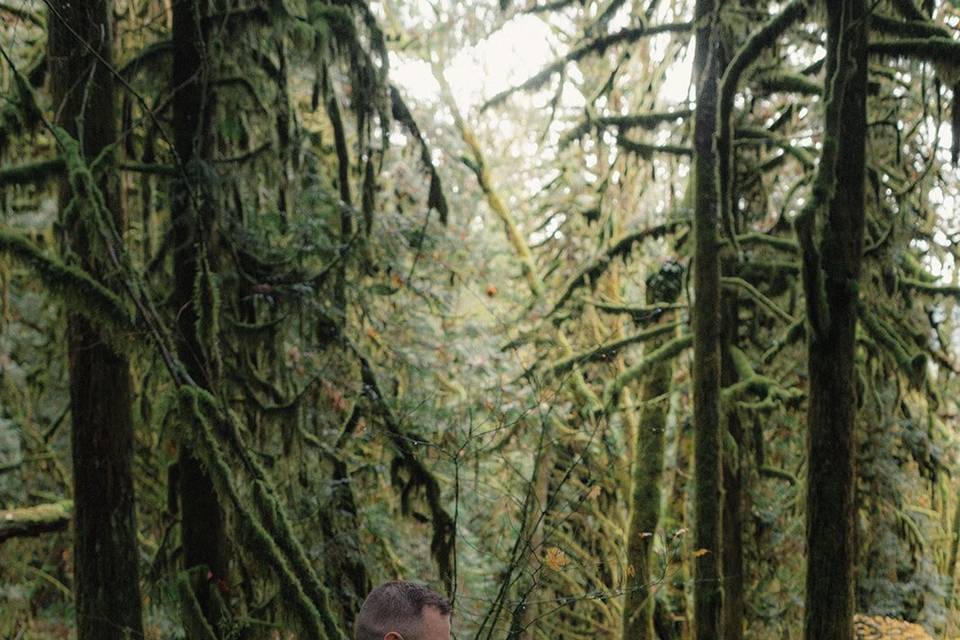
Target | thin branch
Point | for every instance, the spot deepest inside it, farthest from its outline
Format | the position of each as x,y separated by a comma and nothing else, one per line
595,47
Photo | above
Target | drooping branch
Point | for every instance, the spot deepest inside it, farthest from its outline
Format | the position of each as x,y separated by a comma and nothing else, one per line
401,113
81,291
754,135
609,349
913,365
670,350
595,47
444,532
648,120
758,41
598,265
757,296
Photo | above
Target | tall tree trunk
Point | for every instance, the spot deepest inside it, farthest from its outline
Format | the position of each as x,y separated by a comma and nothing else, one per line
105,545
203,528
733,578
708,588
648,454
831,268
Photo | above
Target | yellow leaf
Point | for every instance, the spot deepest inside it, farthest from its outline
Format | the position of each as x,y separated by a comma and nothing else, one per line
556,559
700,552
631,571
594,492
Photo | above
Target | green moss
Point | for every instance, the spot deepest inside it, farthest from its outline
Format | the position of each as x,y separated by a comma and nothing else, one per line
82,293
669,350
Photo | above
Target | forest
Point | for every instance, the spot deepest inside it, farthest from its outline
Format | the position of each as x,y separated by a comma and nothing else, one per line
613,319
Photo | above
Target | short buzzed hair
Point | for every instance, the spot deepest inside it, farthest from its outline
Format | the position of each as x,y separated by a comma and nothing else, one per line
397,606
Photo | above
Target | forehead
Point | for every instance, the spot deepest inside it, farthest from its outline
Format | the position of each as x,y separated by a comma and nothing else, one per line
435,624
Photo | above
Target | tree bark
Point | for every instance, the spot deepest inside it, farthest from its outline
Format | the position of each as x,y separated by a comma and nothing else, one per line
648,455
831,268
203,527
105,546
708,587
733,485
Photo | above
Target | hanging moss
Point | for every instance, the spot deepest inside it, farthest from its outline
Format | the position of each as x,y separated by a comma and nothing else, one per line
82,293
194,622
199,408
913,365
206,303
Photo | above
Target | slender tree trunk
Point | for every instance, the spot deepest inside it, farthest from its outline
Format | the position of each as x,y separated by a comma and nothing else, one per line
648,454
105,547
708,587
831,269
203,528
733,494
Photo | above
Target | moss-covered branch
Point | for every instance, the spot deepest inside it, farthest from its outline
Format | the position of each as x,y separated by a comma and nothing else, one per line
640,314
31,172
929,287
593,48
763,136
908,28
934,49
78,288
33,521
401,113
444,532
620,248
669,350
787,82
757,297
770,392
646,150
793,334
648,120
781,244
759,40
264,532
146,56
609,349
34,172
913,365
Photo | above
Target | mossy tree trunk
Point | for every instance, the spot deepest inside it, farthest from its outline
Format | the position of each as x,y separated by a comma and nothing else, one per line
831,268
708,587
648,455
733,486
203,528
105,546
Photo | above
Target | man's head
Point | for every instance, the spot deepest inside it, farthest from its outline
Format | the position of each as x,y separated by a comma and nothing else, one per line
400,610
